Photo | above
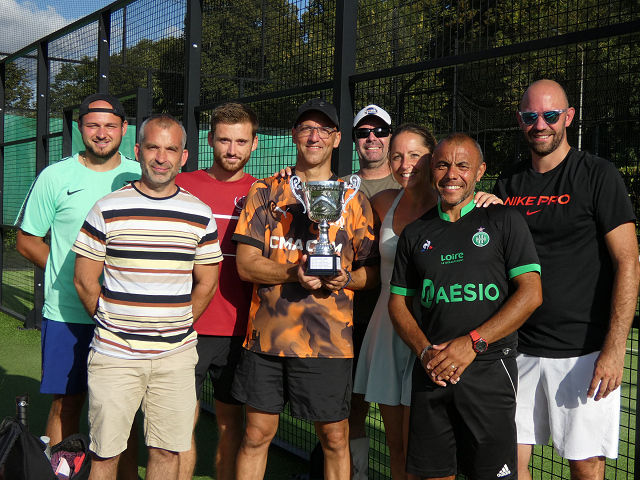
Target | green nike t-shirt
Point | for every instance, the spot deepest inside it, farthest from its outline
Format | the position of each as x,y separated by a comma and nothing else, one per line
59,200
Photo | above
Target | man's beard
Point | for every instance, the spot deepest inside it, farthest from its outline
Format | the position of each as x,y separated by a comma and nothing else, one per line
102,156
155,179
232,168
542,150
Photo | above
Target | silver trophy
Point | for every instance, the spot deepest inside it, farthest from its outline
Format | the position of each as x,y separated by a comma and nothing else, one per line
324,202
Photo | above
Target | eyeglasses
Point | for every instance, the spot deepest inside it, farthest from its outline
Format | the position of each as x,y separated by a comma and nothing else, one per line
307,131
550,116
379,132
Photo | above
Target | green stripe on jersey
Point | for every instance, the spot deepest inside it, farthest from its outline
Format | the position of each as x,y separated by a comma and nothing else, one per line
405,292
532,267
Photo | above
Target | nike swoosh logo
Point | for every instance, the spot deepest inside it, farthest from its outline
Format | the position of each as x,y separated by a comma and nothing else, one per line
531,213
75,191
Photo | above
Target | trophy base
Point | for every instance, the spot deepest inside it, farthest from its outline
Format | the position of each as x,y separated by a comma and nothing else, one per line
323,265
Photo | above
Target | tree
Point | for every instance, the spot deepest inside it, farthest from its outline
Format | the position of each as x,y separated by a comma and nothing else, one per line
157,65
249,47
18,93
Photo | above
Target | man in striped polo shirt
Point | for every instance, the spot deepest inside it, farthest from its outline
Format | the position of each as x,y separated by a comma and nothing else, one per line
157,246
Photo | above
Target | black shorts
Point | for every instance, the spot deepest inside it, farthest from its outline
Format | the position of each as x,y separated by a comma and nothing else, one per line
317,389
468,426
219,356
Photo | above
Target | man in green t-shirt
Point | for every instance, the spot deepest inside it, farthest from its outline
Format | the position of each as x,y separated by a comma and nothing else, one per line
59,201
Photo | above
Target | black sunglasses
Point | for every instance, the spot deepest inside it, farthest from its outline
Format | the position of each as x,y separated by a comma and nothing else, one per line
379,132
550,116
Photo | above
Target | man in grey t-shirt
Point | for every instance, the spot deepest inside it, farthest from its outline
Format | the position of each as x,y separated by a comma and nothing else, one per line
371,135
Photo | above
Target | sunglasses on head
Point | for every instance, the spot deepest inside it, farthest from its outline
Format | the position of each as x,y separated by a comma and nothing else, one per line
550,116
378,132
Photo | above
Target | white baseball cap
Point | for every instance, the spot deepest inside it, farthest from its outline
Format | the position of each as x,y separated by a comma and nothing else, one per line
374,111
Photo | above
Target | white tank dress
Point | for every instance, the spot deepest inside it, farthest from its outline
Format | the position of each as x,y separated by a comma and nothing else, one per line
384,367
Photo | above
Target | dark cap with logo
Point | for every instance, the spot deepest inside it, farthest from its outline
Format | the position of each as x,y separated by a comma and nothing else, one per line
116,106
319,105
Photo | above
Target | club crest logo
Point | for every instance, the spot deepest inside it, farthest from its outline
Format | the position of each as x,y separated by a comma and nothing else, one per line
239,202
480,238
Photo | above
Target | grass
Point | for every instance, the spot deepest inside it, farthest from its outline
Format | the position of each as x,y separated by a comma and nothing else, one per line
17,283
20,373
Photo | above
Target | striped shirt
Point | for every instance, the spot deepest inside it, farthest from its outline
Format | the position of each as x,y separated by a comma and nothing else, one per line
149,247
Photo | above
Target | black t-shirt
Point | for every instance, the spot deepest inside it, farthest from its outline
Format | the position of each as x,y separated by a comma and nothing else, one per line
569,210
461,270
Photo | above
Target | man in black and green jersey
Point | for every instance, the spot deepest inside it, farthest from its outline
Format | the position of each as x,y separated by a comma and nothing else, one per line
477,274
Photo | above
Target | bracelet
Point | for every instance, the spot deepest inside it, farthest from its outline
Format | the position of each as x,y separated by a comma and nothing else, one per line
348,279
428,347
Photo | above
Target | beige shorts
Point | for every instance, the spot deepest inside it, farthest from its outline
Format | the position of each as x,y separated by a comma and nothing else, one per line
165,387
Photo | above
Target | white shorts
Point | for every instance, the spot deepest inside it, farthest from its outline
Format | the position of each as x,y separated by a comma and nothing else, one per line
552,402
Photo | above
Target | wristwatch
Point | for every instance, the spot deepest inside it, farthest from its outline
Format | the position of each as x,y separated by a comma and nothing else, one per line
480,345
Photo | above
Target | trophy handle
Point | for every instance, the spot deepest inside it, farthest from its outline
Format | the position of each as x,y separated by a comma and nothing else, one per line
354,183
296,185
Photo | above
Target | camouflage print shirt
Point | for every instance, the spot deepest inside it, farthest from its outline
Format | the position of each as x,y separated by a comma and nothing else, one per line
286,319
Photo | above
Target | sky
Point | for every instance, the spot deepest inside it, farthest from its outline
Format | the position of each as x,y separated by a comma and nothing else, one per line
23,22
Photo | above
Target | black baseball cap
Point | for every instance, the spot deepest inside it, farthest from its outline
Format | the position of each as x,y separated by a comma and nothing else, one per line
116,109
322,106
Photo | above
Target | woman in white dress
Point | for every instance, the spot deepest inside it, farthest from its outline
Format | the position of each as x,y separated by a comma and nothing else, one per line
384,367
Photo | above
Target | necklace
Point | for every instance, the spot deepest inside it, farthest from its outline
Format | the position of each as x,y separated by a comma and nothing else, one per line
84,160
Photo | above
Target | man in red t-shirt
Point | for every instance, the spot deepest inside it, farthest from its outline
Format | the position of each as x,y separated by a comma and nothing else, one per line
222,327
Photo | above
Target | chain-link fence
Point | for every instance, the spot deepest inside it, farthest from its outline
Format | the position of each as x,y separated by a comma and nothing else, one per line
450,65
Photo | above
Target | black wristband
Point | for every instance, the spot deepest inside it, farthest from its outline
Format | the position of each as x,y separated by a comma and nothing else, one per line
348,279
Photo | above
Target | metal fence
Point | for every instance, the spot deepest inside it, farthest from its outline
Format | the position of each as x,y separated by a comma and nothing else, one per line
451,65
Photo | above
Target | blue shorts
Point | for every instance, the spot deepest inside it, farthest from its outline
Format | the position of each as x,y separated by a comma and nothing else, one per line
65,348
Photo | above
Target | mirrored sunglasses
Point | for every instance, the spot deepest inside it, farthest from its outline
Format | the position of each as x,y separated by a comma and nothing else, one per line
550,116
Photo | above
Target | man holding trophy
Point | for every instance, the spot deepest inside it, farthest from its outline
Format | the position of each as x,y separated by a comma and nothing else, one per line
298,347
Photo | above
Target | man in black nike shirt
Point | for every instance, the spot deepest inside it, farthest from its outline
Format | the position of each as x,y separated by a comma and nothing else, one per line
571,350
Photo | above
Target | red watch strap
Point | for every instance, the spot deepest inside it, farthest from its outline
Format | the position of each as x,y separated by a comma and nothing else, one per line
475,336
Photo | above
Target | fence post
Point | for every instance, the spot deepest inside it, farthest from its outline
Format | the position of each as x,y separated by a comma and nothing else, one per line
142,105
193,48
34,317
343,92
636,325
104,42
67,132
3,79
